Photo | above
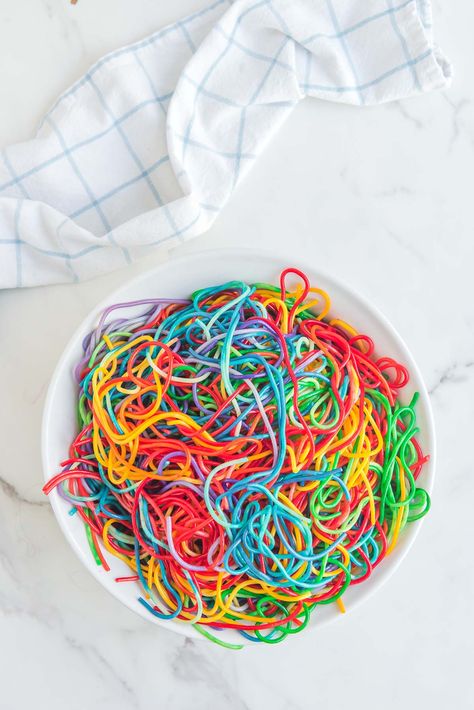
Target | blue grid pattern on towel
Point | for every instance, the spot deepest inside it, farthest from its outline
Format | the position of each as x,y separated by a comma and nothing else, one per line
17,185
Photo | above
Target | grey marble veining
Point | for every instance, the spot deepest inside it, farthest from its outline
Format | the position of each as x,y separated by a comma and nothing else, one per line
381,197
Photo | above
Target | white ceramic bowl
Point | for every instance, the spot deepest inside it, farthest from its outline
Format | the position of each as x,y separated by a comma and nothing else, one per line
178,278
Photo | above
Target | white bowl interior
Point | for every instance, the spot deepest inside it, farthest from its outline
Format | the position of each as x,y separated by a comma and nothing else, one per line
178,278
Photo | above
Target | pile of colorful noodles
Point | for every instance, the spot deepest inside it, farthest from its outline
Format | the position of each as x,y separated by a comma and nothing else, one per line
247,457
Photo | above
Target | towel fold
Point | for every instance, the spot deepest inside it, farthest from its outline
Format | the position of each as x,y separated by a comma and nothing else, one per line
149,145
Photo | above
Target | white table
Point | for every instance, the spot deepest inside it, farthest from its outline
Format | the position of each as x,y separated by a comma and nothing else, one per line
404,238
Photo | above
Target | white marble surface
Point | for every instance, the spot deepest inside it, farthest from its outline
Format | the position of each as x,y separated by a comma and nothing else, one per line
404,175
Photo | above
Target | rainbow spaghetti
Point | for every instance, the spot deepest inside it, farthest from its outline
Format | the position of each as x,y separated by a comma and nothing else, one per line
246,456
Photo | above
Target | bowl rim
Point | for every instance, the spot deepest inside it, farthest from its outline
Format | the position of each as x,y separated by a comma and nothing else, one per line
114,296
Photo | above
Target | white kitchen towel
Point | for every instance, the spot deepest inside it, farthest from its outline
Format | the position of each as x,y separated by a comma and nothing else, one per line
148,146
